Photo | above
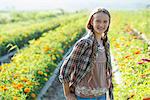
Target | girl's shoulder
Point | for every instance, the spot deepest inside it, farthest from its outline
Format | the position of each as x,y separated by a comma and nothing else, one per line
85,40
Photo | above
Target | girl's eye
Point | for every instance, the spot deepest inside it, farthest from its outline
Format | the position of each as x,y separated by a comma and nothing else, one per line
105,21
98,21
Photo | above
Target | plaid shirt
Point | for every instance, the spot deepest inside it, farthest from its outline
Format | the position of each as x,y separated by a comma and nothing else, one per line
78,62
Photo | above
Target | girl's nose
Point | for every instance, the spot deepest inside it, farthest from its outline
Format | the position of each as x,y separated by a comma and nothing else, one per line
101,24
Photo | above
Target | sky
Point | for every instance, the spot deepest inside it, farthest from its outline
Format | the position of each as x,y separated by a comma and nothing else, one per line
71,5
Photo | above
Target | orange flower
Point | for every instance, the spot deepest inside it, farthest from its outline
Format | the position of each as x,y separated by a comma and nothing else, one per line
46,48
148,98
128,56
62,51
137,52
47,70
27,90
143,75
15,98
18,86
40,72
33,95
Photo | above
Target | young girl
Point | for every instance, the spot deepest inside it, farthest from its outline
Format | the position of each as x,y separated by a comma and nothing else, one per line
86,74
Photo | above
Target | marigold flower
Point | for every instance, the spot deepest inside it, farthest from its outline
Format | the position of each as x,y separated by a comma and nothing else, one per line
40,72
29,83
33,95
18,86
0,68
117,45
127,56
137,52
4,88
148,98
47,70
24,79
62,51
27,90
15,98
143,75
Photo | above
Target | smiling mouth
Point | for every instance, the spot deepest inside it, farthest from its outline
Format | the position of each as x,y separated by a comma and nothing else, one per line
100,28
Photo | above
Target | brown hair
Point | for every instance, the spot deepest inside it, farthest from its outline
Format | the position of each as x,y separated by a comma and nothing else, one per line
90,27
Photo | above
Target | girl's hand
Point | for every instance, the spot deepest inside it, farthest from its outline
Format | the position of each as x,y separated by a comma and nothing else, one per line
109,83
71,96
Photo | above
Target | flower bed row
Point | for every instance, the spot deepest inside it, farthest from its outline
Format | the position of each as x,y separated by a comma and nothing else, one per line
16,16
133,61
131,55
31,67
20,36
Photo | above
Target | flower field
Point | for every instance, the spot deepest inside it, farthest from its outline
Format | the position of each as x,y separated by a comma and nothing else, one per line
31,67
14,35
131,55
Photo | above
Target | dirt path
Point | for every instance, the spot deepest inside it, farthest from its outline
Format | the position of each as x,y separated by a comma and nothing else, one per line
55,92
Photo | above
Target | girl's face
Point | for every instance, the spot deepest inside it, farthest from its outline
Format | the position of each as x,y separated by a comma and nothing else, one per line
100,22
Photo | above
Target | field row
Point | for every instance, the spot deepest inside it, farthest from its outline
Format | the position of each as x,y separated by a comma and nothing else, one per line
131,55
31,67
18,37
17,16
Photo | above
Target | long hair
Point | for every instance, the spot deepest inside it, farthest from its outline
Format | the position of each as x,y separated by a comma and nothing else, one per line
90,27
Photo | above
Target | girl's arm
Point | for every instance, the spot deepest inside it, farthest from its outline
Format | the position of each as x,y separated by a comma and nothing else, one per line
71,61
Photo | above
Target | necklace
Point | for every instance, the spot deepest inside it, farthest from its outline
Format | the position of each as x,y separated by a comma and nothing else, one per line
100,46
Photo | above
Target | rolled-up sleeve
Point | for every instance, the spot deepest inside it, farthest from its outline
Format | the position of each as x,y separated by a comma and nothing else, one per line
70,62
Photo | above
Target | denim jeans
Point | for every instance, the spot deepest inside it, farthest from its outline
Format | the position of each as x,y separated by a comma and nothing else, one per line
103,97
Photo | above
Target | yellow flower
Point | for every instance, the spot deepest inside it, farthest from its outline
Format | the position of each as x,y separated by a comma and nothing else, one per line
0,68
4,88
45,79
29,83
15,98
33,76
137,52
117,45
45,74
24,79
